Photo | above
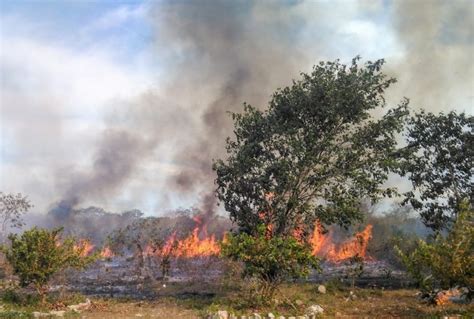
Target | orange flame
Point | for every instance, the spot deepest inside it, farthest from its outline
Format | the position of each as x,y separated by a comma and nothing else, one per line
106,252
84,247
443,297
324,247
192,246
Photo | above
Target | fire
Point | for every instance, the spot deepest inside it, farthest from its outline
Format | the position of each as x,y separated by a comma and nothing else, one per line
106,252
193,246
84,247
318,240
197,244
324,247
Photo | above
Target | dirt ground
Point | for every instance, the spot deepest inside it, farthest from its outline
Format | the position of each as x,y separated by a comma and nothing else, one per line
183,302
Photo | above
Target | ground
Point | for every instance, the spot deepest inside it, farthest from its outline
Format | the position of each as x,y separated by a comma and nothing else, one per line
195,300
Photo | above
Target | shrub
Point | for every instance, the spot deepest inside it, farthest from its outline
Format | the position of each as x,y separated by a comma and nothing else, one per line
269,260
38,254
448,260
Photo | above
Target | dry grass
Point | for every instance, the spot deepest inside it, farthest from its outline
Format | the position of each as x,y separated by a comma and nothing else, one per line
196,300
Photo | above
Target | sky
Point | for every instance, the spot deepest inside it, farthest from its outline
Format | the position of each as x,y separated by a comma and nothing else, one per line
121,104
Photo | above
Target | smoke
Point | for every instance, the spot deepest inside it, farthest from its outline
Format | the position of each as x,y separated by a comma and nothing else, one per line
436,71
218,54
118,152
230,52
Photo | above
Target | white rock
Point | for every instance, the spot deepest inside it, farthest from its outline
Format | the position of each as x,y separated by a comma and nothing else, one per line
321,289
37,314
57,313
222,314
314,310
80,307
257,316
270,315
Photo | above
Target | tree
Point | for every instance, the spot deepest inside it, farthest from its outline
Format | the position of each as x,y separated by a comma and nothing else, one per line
315,153
12,207
269,260
38,254
438,160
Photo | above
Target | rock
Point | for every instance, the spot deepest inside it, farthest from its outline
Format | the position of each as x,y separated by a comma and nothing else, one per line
138,315
291,317
301,317
37,314
80,307
298,302
270,315
352,296
321,289
222,314
57,313
257,316
314,310
281,317
232,316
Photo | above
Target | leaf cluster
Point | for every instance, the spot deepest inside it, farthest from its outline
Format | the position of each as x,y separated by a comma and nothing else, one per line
438,160
448,261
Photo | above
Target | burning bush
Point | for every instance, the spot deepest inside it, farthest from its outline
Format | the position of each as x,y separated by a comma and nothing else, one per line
38,254
270,260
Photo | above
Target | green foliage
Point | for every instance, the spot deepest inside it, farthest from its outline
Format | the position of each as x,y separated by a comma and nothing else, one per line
438,160
447,261
270,260
314,153
38,254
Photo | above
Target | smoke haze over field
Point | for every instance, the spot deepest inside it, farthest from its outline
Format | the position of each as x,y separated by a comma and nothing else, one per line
129,111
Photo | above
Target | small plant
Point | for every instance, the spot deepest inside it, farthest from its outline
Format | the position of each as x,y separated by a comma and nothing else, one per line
38,254
355,268
446,262
269,260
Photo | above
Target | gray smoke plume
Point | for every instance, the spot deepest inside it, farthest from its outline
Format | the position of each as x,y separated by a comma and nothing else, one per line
233,52
117,154
219,54
437,70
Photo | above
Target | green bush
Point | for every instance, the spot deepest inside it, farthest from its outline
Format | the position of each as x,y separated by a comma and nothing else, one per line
448,260
269,260
38,254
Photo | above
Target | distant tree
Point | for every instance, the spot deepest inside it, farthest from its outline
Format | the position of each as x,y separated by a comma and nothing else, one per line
38,254
315,153
438,160
12,207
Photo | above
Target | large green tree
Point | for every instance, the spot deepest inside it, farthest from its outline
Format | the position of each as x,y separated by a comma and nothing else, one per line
322,145
438,160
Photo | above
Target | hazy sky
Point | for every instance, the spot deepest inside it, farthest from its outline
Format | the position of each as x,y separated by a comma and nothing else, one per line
123,102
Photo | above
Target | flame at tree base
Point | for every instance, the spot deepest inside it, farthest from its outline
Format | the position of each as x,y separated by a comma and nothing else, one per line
322,245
